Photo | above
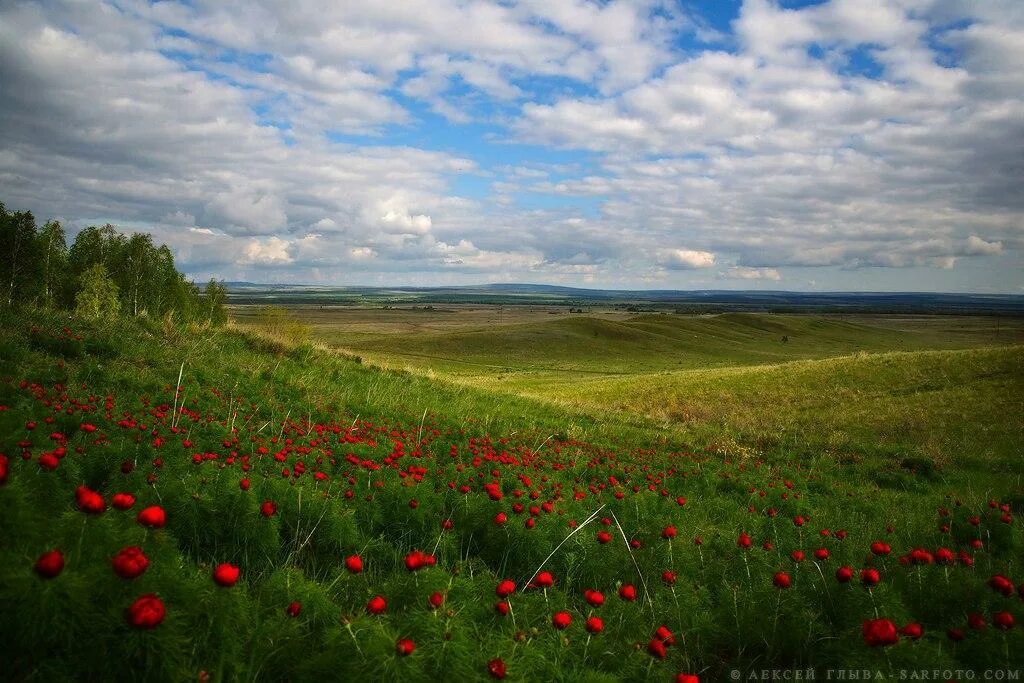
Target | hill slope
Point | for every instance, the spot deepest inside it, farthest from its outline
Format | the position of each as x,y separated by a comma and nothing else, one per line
290,514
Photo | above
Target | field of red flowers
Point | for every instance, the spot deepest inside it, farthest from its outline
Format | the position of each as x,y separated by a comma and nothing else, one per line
235,524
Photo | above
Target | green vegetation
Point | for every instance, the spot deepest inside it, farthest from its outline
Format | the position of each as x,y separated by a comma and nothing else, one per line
745,482
103,273
284,460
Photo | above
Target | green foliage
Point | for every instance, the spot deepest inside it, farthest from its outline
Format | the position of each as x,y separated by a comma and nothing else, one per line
39,268
97,298
240,395
19,265
214,302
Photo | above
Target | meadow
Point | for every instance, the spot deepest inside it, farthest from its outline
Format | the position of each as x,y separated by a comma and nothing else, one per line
509,492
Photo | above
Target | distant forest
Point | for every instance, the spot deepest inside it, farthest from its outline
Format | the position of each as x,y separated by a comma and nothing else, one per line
103,274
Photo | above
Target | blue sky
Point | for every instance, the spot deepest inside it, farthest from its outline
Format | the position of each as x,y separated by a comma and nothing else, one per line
842,144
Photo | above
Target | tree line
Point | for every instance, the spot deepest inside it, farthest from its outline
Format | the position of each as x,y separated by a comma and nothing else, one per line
104,273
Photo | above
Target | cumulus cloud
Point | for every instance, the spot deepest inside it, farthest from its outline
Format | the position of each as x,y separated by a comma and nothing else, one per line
743,273
685,259
342,141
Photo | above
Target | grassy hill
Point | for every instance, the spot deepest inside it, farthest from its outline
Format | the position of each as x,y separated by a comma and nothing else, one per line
962,405
717,541
587,345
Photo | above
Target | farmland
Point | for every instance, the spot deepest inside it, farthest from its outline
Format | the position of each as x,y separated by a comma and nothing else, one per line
509,492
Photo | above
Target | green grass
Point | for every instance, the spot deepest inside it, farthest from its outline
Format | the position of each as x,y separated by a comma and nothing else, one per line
882,445
961,406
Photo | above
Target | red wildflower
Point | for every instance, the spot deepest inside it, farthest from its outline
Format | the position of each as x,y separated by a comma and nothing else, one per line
879,632
153,517
496,668
122,501
225,574
404,647
912,630
89,501
50,564
130,562
376,605
561,620
146,612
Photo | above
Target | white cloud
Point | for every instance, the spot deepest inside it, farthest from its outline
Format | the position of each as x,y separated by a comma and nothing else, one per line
684,259
743,273
844,135
271,251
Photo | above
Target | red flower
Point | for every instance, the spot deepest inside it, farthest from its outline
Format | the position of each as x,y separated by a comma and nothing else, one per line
404,647
153,517
225,574
687,678
976,621
561,620
603,537
545,580
293,609
500,518
505,588
870,577
89,501
912,630
146,612
418,559
496,668
1003,620
377,605
267,508
781,580
436,599
593,598
595,624
668,532
797,555
130,562
1001,584
122,501
656,648
501,607
354,564
244,484
669,577
627,593
821,554
844,574
879,632
3,468
879,548
744,540
50,564
665,635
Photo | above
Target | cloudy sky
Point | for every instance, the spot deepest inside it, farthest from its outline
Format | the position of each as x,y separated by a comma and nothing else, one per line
843,145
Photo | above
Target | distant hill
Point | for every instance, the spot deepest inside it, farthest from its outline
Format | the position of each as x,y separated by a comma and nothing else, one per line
659,300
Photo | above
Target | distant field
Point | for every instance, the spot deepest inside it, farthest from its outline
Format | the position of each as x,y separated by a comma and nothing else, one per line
933,386
509,341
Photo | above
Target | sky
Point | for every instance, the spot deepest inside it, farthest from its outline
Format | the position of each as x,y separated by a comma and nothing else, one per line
868,145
